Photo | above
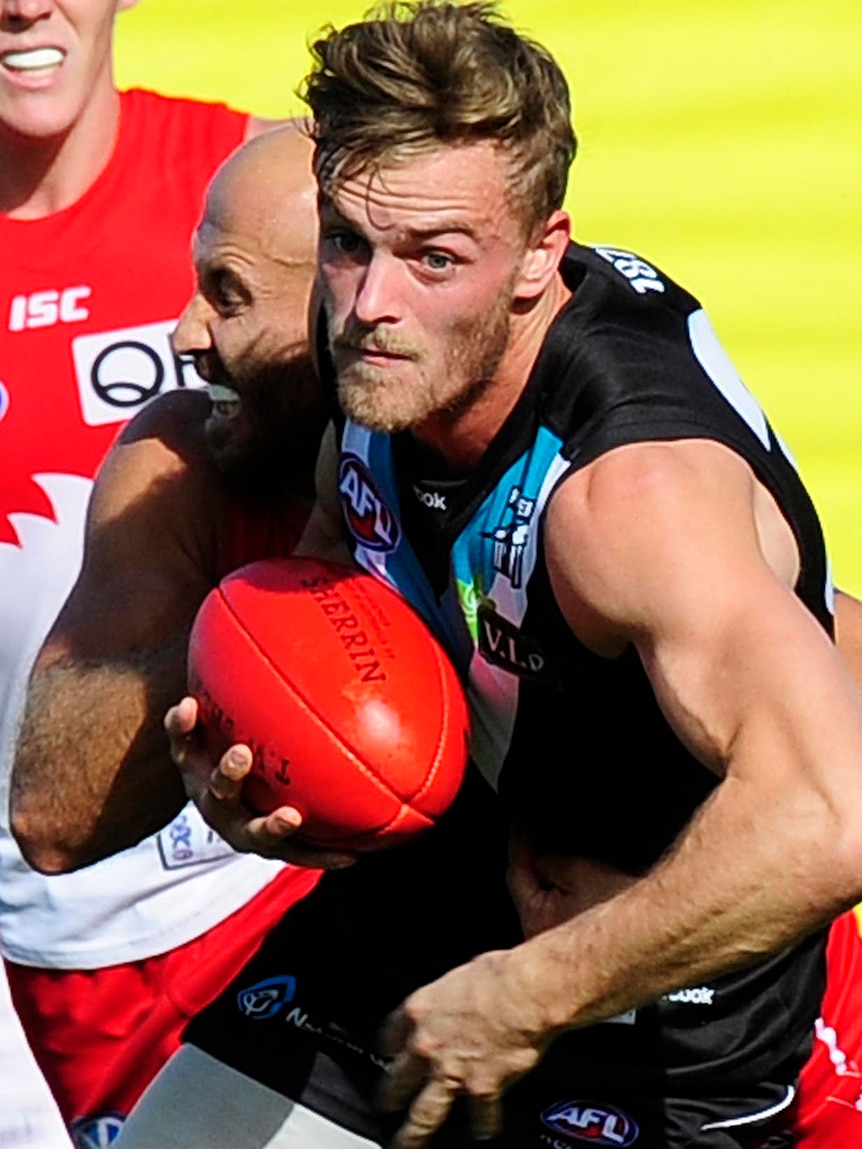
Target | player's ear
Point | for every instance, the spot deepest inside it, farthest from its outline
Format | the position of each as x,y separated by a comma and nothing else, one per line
544,253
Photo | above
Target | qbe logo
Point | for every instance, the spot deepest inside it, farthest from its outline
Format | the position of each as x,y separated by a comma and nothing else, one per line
97,1132
265,999
119,371
370,520
589,1121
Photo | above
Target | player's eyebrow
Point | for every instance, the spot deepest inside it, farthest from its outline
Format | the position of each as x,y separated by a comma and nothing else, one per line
445,227
331,215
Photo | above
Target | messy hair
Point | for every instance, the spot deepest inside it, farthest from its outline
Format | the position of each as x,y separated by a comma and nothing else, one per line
414,75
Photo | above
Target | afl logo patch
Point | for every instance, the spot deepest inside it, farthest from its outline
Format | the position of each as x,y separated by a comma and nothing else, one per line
591,1121
4,402
371,522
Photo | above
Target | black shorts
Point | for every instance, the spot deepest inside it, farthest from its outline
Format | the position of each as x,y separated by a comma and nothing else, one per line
304,1015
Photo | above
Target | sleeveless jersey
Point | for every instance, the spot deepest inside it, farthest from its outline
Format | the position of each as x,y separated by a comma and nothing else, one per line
88,298
576,745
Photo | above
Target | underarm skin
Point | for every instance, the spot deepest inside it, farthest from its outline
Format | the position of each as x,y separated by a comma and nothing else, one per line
93,774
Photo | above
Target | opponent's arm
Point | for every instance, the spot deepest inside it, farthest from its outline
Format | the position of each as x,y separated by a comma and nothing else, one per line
663,547
93,773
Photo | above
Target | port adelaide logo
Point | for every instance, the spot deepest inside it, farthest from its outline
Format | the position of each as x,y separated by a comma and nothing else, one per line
511,535
593,1122
370,520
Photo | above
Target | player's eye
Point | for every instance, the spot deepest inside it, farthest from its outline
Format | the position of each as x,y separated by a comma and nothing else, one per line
344,241
437,260
227,294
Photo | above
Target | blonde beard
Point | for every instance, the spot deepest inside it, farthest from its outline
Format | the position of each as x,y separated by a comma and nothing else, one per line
371,397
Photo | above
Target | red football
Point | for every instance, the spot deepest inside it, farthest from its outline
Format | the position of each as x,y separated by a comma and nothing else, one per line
353,712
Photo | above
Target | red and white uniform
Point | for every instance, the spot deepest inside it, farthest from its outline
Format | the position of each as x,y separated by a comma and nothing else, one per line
88,298
829,1102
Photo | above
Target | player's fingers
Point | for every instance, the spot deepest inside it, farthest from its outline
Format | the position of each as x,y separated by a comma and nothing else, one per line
180,722
486,1117
401,1082
225,783
395,1032
273,836
181,719
427,1114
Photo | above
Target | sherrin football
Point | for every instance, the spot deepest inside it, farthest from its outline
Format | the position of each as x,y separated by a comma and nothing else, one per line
352,710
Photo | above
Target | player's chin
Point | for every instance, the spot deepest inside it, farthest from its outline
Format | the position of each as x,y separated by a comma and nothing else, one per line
231,442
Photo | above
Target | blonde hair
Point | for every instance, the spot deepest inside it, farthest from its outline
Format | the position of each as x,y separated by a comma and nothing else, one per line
412,76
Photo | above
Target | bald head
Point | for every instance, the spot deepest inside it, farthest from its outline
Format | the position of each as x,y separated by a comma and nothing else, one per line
265,194
247,325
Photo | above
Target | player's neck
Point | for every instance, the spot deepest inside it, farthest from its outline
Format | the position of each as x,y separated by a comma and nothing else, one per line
461,440
39,177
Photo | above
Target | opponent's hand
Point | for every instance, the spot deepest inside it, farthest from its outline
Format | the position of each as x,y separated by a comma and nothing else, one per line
216,790
473,1031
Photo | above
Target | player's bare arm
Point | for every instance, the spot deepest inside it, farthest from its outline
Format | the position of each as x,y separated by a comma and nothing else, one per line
848,632
677,550
93,773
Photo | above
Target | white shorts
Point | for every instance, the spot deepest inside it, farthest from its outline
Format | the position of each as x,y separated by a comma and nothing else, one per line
197,1102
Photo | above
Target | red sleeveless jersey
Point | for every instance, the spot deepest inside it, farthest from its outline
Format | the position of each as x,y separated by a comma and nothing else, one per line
89,295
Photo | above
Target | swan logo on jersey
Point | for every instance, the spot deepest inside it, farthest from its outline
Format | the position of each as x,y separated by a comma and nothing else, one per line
119,371
265,999
511,536
587,1121
641,275
370,520
97,1132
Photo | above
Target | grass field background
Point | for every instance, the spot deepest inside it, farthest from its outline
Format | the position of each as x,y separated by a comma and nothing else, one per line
721,141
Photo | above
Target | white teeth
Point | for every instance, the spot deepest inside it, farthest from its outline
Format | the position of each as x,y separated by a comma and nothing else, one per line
35,58
221,394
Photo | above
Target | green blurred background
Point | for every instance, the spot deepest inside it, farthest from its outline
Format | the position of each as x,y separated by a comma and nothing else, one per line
720,140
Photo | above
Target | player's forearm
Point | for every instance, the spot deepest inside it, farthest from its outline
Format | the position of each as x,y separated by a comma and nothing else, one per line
760,866
92,773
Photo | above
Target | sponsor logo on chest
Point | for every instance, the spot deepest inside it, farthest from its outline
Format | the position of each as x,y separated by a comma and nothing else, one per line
370,520
503,645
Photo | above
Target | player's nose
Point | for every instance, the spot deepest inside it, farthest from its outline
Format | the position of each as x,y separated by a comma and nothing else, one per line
377,293
21,12
192,332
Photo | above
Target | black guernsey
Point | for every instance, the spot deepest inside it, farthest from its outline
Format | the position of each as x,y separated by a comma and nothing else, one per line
575,745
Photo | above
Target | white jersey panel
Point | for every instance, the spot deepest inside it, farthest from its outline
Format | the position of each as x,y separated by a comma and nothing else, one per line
170,888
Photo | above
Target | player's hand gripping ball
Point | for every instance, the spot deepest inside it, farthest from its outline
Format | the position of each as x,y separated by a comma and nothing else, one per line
353,712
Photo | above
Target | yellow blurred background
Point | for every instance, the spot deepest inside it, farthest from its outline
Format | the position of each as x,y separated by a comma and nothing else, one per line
720,140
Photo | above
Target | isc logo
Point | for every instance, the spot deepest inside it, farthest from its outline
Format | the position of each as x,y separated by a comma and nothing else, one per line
48,308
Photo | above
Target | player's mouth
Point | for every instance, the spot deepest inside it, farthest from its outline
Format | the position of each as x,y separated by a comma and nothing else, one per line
34,63
376,356
226,402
